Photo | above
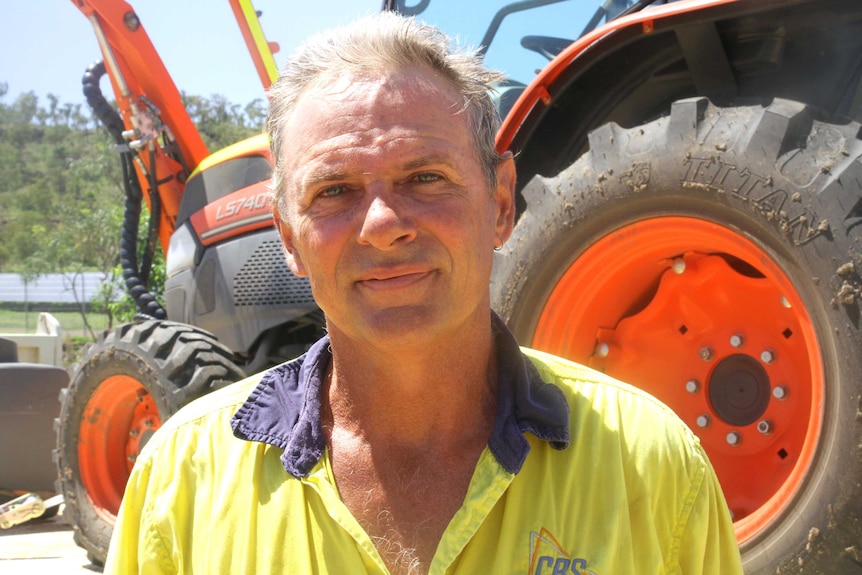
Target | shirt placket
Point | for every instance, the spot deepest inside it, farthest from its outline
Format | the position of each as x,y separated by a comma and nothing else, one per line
487,486
322,481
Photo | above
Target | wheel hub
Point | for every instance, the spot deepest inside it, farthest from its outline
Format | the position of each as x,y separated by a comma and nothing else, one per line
119,418
739,390
708,322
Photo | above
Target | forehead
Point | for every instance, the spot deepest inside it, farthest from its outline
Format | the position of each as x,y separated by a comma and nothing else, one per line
405,83
366,112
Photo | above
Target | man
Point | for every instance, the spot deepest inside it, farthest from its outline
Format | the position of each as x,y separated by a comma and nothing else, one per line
416,437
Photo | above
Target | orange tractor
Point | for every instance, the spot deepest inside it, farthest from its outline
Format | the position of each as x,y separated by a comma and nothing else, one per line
690,186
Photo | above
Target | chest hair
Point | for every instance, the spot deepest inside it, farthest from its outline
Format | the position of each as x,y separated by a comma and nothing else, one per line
403,502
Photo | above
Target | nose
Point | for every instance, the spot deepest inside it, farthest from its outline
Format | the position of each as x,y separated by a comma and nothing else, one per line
386,223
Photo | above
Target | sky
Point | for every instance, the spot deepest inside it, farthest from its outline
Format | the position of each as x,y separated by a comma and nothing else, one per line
47,44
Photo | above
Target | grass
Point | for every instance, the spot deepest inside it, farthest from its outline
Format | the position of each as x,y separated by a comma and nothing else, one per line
71,322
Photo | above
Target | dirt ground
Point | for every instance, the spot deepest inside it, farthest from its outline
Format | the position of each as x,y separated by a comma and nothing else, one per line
42,547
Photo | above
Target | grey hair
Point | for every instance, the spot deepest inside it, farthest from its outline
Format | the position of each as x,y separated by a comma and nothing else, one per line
385,42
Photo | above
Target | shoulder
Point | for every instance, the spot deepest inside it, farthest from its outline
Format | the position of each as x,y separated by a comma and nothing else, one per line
584,385
631,453
225,400
606,411
208,416
574,378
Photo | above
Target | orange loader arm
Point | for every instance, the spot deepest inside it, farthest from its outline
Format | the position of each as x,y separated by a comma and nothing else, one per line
261,51
149,104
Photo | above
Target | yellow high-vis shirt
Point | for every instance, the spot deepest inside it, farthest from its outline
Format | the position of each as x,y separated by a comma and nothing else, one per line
585,476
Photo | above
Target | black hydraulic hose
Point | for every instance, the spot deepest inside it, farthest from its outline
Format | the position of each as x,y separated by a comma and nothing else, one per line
137,288
144,300
97,102
153,228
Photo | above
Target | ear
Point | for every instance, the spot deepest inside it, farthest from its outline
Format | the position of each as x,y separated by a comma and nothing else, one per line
504,197
294,261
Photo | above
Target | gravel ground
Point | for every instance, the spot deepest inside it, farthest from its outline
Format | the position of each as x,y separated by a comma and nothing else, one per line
42,547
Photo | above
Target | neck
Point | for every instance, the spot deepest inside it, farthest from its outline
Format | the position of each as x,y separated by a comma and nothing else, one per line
420,396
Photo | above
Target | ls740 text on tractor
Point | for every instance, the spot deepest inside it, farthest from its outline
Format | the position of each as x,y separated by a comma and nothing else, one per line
690,189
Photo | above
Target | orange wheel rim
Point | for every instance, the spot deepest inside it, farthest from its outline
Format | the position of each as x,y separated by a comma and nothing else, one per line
707,321
118,419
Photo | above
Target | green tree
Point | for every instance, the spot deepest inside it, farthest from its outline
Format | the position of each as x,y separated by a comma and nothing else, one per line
222,123
61,188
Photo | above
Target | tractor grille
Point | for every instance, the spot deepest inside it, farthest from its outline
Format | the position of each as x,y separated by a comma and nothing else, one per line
265,279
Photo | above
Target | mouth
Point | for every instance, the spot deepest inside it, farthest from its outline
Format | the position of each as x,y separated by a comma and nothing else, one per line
394,278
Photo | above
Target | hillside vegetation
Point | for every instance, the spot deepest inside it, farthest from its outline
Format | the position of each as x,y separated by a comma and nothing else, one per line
61,193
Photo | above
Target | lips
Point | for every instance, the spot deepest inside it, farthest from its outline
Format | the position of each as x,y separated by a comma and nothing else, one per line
397,277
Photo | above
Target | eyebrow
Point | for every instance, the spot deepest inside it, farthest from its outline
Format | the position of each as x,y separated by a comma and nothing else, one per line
322,178
428,160
433,158
314,180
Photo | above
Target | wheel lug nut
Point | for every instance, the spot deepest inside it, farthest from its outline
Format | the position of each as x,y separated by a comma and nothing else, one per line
785,302
602,349
148,423
767,356
734,438
703,420
779,392
737,340
706,353
134,433
692,386
133,457
678,266
764,427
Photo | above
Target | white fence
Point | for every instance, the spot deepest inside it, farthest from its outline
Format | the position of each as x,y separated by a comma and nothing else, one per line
52,288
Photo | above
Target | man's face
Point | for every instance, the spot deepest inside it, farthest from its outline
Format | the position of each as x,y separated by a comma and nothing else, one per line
391,217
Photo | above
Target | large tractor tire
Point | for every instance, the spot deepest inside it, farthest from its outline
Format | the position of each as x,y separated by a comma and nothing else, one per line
712,258
127,384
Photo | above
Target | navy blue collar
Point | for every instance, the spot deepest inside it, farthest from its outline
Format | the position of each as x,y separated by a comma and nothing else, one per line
284,409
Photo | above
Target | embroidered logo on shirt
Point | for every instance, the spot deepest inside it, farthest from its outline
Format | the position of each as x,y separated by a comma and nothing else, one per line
547,557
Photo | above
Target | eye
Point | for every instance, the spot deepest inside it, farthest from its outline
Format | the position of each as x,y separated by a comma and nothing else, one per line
427,177
332,191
